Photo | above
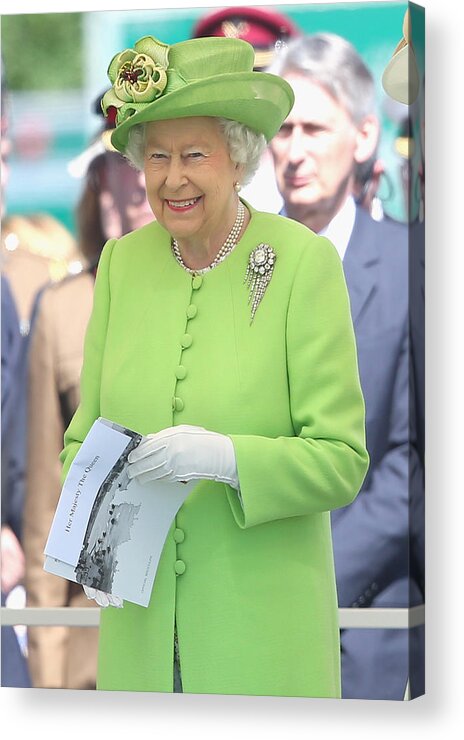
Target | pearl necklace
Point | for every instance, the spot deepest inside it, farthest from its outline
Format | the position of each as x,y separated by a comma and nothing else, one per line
226,248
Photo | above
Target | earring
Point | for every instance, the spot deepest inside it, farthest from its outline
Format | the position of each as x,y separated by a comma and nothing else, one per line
237,187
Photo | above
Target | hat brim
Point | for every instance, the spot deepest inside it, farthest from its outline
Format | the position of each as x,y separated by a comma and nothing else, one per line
400,79
259,100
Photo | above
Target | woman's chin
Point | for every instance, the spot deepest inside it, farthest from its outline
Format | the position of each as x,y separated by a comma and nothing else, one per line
182,225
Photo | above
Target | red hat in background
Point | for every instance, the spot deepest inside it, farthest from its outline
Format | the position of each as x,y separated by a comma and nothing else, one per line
265,30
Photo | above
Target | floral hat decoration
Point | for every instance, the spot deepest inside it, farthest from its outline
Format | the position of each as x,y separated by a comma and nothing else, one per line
201,77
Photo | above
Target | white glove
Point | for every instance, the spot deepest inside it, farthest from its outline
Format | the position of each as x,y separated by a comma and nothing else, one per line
103,599
184,453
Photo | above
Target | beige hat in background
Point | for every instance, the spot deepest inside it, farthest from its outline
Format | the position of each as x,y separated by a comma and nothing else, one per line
400,79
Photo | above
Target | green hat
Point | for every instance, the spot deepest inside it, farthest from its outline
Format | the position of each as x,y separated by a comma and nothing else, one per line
200,77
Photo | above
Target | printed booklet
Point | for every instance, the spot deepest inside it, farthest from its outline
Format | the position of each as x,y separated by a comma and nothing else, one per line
108,531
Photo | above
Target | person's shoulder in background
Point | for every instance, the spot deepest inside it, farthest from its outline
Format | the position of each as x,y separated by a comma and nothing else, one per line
36,250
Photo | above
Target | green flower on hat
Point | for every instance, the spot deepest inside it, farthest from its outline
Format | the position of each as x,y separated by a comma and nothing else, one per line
138,75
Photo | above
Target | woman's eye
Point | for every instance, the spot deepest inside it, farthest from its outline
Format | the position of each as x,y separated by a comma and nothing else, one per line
157,156
195,155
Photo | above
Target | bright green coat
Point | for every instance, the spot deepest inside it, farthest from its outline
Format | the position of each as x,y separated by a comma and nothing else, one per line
256,606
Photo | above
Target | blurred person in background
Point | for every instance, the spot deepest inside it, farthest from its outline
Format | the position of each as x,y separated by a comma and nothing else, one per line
265,29
268,32
404,82
112,203
331,131
14,670
36,250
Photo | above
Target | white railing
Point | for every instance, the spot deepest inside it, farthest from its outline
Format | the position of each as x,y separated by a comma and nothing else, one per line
76,617
348,619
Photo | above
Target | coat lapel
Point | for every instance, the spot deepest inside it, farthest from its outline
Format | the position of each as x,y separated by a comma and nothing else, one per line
360,262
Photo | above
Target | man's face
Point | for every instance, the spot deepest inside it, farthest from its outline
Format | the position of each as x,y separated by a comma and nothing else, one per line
315,150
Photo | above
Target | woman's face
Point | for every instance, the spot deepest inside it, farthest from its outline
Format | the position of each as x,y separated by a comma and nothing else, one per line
190,178
123,201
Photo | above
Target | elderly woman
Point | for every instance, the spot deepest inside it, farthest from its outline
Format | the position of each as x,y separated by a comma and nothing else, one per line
224,336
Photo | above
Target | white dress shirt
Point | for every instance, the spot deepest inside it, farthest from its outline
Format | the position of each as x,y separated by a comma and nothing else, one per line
339,230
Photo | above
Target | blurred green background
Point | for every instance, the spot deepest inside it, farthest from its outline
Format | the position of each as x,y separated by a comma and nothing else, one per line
55,67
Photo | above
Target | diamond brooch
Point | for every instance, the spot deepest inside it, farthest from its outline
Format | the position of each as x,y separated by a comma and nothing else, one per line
258,274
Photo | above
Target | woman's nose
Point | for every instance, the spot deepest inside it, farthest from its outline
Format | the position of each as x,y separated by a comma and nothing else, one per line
175,176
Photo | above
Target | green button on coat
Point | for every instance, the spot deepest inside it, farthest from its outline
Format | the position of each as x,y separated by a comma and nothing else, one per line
177,404
181,372
179,567
179,536
186,341
191,311
196,282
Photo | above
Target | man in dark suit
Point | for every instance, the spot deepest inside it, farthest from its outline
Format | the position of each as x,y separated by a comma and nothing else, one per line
330,134
14,670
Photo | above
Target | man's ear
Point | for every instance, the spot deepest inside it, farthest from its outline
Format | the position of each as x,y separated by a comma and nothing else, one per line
366,138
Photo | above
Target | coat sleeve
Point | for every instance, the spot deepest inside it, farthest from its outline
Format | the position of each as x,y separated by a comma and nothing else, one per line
94,346
323,465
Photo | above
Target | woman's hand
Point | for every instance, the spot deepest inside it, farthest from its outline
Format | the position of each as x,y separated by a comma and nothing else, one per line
103,599
184,453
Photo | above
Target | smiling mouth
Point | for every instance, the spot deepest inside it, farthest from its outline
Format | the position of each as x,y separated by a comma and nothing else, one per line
182,205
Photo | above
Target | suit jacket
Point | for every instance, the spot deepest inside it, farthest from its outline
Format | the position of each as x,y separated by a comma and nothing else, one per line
417,388
14,670
250,581
59,657
375,564
11,350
